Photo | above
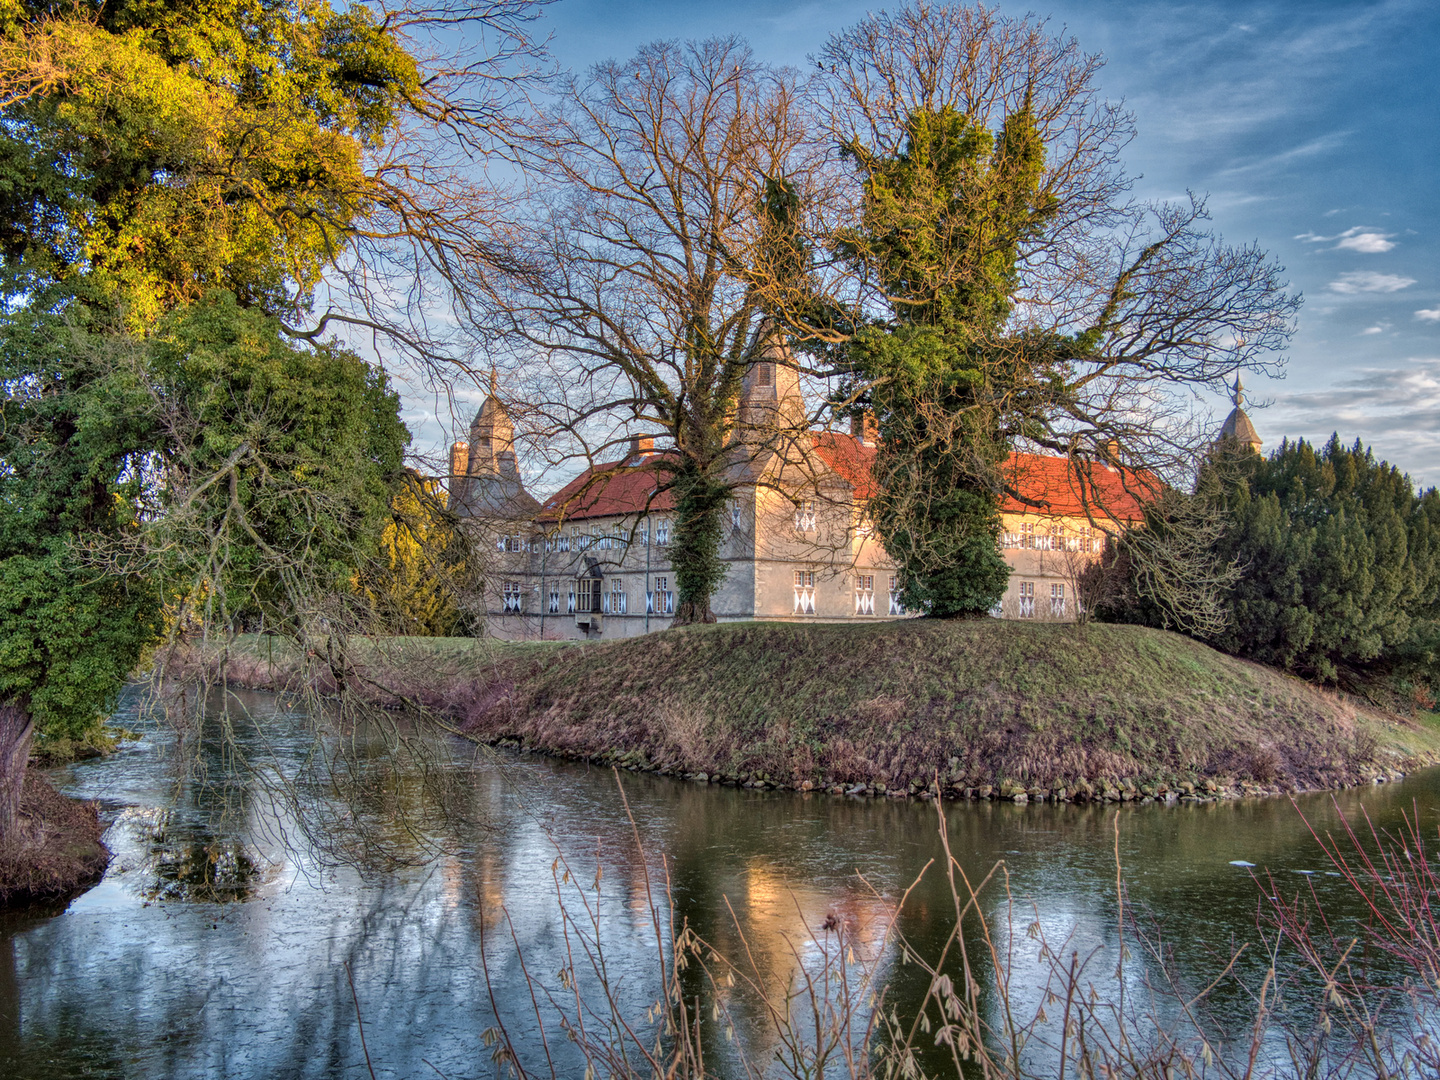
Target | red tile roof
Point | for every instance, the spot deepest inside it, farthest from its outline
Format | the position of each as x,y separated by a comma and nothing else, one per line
1069,488
1059,485
611,488
848,458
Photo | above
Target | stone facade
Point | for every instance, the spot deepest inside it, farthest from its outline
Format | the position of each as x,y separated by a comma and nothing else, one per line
593,560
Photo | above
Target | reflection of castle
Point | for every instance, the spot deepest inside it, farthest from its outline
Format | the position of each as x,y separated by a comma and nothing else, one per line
594,559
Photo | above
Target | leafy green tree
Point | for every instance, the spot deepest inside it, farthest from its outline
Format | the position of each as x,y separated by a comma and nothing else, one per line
159,151
423,569
73,431
1340,555
160,440
943,222
1019,296
278,466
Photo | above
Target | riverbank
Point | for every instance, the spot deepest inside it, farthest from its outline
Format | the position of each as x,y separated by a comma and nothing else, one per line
990,709
59,852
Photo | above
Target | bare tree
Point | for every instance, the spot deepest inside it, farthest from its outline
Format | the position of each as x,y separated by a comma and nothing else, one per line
1113,310
665,271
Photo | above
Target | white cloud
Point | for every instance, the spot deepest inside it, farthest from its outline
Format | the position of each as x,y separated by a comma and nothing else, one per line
1372,330
1363,281
1428,314
1368,243
1361,238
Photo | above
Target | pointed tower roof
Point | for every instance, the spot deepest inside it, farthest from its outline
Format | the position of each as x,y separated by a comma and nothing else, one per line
492,484
1237,427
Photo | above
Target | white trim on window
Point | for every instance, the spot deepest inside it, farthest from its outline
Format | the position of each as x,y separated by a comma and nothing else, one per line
805,515
864,594
804,592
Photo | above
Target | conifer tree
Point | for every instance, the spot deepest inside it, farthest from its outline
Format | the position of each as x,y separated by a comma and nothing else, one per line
1340,556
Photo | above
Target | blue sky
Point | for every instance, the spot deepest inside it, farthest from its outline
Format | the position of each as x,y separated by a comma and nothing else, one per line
1313,127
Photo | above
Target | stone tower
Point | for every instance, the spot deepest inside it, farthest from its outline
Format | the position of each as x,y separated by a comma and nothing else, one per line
484,474
770,397
1237,428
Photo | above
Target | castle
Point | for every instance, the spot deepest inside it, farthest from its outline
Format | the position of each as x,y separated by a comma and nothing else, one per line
593,559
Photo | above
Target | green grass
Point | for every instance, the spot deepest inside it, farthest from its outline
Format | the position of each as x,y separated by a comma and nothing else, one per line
980,702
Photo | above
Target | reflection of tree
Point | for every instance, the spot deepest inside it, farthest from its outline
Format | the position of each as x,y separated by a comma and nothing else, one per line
72,1044
190,863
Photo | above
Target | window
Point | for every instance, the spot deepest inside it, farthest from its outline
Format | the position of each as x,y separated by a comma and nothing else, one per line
582,541
1086,541
512,597
589,599
615,599
762,375
662,532
555,599
804,592
1027,600
645,532
805,515
600,538
660,600
562,542
735,513
865,594
1057,600
1027,534
570,606
896,607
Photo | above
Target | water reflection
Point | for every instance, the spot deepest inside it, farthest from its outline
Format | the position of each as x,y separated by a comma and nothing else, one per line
219,942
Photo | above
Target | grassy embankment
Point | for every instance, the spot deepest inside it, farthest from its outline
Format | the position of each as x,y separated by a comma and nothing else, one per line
995,708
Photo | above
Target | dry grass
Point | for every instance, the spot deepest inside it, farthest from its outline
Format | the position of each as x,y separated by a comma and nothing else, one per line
59,852
1007,704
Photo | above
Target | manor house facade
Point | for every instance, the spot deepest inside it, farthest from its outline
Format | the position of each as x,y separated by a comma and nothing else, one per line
593,559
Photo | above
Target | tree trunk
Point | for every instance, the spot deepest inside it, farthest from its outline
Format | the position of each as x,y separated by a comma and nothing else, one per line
17,727
695,551
692,613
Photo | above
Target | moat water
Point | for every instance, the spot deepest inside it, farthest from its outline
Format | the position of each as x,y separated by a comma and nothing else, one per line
256,916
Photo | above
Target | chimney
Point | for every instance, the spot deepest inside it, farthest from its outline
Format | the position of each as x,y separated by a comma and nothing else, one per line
641,444
864,428
459,459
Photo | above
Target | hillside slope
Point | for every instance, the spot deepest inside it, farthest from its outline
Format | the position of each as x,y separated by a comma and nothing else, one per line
1026,706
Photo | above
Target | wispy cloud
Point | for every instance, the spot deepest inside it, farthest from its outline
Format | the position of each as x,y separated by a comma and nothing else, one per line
1372,330
1368,281
1359,238
1428,314
1396,409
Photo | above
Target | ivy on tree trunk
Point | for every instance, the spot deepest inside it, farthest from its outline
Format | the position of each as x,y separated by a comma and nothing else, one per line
695,556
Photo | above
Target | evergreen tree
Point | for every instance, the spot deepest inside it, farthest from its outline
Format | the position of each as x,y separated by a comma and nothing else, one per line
943,224
1340,555
150,155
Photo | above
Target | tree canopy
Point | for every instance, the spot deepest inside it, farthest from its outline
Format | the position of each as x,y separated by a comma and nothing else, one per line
1340,560
1024,300
177,182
